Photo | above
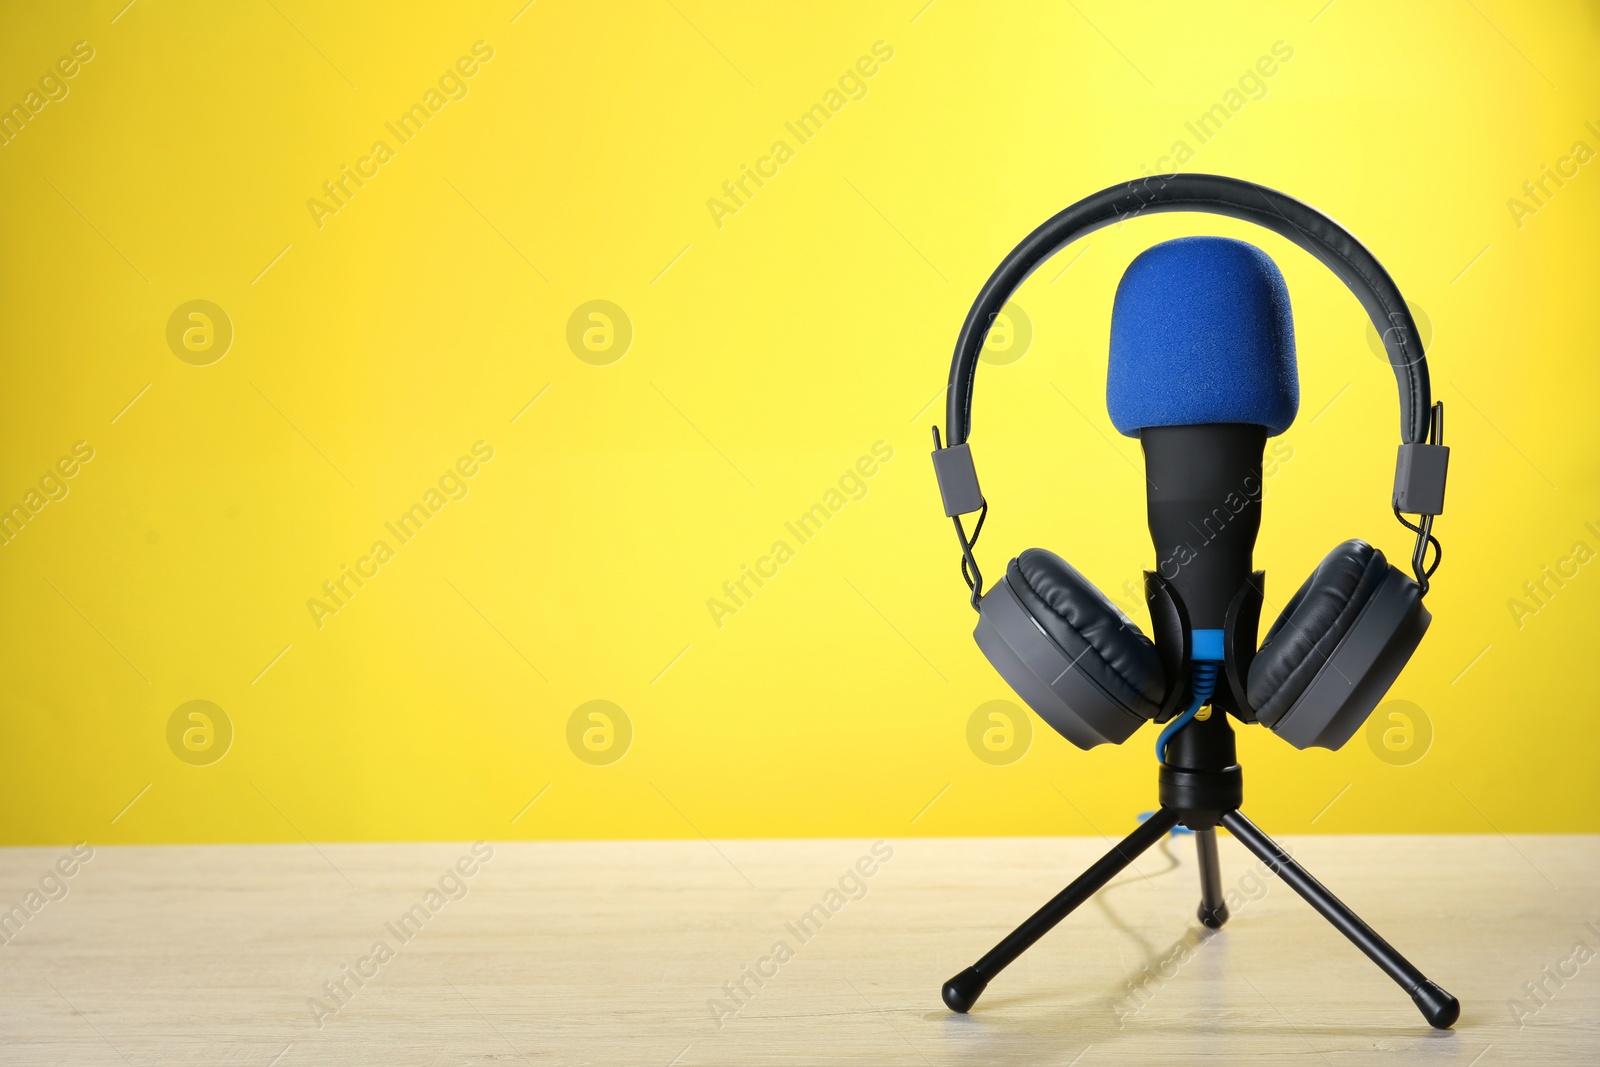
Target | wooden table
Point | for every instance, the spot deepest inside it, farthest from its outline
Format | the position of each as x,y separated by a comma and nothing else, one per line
636,952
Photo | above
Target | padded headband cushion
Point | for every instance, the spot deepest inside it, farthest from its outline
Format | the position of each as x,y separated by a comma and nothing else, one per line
1311,626
1097,638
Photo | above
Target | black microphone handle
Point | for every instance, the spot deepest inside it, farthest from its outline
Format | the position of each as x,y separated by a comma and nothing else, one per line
1204,489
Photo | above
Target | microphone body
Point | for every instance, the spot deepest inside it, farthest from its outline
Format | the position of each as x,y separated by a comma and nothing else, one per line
1204,510
1202,371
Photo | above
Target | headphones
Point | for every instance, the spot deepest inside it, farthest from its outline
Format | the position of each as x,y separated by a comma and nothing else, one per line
1343,637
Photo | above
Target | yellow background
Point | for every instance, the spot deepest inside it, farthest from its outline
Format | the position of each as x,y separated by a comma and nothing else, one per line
769,354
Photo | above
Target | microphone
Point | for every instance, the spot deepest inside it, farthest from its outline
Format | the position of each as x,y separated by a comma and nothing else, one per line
1202,371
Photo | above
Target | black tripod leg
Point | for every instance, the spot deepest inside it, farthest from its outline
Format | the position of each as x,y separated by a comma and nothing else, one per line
1213,910
1438,1007
962,991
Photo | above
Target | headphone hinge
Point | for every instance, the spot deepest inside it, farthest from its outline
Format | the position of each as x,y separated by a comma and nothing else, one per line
958,486
1419,479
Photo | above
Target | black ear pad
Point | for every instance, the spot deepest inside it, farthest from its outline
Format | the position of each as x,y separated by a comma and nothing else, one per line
1311,626
1089,629
1336,648
1067,651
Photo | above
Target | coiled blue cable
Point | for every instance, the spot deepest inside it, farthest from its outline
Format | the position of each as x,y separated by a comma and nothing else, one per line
1205,661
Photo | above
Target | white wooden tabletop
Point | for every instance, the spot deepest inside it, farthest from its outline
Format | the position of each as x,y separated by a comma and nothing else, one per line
697,952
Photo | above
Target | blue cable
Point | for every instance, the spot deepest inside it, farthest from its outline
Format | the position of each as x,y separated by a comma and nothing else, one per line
1204,682
1206,661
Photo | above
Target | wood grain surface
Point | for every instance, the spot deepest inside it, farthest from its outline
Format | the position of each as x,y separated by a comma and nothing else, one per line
698,952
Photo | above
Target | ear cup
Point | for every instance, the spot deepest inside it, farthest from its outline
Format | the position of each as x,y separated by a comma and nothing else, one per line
1311,626
1098,639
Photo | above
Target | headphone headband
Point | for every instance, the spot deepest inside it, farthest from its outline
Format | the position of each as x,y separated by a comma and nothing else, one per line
1422,462
1213,194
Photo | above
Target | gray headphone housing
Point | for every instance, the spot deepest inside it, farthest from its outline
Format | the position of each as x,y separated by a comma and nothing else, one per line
1041,672
1360,669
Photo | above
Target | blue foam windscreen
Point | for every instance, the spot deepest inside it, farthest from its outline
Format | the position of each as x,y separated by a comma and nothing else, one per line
1201,332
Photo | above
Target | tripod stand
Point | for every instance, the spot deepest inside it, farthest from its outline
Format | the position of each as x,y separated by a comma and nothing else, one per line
1201,785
